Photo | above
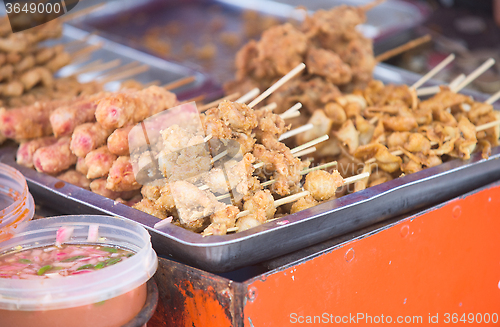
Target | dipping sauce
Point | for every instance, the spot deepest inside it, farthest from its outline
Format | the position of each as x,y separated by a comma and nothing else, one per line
69,260
54,262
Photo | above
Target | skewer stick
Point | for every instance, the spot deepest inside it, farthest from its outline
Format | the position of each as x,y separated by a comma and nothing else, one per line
219,156
487,125
373,120
248,96
295,131
99,67
475,74
120,69
277,203
493,98
258,165
292,115
435,89
323,166
354,179
195,99
81,13
434,71
457,80
371,5
309,144
295,108
270,106
428,90
126,74
278,84
207,138
179,83
215,103
305,152
403,48
86,50
90,66
155,82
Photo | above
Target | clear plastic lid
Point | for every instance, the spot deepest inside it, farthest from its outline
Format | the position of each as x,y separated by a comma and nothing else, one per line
84,289
16,203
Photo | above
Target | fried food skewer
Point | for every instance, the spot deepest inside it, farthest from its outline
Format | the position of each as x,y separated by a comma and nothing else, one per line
300,67
248,96
434,71
475,74
403,48
494,98
178,83
209,105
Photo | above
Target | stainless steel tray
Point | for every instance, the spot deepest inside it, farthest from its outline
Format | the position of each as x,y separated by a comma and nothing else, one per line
287,234
160,70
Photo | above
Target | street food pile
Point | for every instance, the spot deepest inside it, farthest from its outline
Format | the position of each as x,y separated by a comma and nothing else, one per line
338,58
231,166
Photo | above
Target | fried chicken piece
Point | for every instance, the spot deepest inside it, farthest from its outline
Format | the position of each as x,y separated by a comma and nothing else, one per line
303,204
221,221
417,143
149,207
384,159
250,221
24,156
127,108
348,135
397,139
76,178
322,185
99,162
121,176
54,158
261,200
283,46
193,205
269,122
336,113
118,141
166,200
238,116
399,123
87,137
328,64
322,126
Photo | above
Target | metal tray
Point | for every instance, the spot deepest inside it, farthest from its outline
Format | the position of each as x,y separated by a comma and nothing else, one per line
389,24
287,234
159,69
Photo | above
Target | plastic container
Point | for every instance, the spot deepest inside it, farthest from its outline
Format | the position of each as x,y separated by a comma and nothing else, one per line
108,297
16,202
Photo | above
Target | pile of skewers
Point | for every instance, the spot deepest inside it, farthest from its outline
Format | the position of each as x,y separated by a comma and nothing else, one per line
240,166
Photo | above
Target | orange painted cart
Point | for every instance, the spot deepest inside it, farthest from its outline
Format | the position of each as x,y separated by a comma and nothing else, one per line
440,266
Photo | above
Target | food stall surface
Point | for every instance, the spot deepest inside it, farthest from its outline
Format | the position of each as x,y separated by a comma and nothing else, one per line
435,266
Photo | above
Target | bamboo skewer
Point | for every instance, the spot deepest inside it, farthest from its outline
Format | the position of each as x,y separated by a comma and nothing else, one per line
295,108
371,5
434,71
214,103
457,80
86,50
403,48
179,83
120,69
125,74
248,96
270,106
305,152
292,115
280,202
98,67
295,131
195,99
493,98
278,84
81,13
309,144
475,74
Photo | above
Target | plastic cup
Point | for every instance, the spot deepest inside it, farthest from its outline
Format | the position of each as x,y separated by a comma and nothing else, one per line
108,297
16,203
